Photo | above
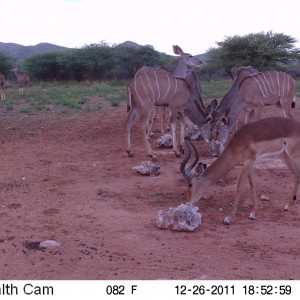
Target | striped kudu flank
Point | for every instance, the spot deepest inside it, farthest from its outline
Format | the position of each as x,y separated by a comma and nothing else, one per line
22,79
178,91
250,92
2,87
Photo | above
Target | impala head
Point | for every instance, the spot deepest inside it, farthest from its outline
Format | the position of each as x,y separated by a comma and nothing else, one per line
192,173
187,58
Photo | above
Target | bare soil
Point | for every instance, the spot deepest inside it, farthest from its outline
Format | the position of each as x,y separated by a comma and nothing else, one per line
67,177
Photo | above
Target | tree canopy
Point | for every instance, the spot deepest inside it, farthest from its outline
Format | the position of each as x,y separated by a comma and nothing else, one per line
260,50
5,63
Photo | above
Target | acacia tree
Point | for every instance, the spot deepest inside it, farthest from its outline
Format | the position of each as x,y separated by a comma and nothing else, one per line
260,50
130,59
6,63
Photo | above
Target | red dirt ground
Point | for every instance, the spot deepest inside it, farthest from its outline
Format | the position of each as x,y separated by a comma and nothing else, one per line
68,178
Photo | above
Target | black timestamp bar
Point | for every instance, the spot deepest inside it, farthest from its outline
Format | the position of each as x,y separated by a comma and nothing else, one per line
267,289
203,290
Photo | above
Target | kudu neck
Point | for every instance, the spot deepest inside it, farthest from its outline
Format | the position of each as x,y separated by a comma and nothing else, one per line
180,70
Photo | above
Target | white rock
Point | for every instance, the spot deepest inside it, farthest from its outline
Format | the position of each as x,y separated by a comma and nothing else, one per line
50,243
165,140
182,218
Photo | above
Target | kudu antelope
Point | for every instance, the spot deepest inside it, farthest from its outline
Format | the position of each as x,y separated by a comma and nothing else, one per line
22,79
250,92
2,87
270,137
179,91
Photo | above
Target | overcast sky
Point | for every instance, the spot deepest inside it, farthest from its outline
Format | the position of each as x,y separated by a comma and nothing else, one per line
195,25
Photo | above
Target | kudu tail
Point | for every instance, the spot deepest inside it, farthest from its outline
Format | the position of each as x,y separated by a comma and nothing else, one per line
130,100
293,104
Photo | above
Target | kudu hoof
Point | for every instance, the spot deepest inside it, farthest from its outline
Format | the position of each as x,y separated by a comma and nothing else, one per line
177,154
181,149
129,153
153,157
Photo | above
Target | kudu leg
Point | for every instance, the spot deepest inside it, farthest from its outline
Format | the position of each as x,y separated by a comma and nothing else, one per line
150,123
285,107
143,124
131,116
175,143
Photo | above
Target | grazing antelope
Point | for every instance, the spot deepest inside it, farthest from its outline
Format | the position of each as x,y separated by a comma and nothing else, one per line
270,137
2,88
179,91
250,92
22,79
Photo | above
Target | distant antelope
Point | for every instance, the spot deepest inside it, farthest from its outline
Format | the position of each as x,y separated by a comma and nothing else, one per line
179,91
250,92
23,80
2,87
270,137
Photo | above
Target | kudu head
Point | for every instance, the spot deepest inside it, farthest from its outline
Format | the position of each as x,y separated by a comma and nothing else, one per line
15,69
192,173
185,60
215,129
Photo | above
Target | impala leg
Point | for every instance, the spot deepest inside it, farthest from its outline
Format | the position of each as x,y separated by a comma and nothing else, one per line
292,166
246,170
254,193
294,194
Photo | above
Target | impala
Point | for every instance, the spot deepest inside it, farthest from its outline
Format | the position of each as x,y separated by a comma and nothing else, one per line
179,91
250,92
22,79
2,89
270,137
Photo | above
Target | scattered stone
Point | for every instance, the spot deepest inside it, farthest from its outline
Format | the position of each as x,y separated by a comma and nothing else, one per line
148,168
264,197
216,147
193,133
165,140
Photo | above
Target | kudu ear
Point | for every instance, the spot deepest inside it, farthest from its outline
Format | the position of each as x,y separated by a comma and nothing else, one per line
208,119
214,104
211,107
224,121
177,50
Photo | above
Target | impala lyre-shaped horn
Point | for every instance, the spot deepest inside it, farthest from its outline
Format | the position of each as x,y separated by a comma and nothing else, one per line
186,172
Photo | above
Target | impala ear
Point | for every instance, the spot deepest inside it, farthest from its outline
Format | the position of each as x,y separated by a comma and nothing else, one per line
200,168
177,50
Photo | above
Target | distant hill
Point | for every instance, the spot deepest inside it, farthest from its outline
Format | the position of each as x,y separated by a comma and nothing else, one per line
21,52
204,57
